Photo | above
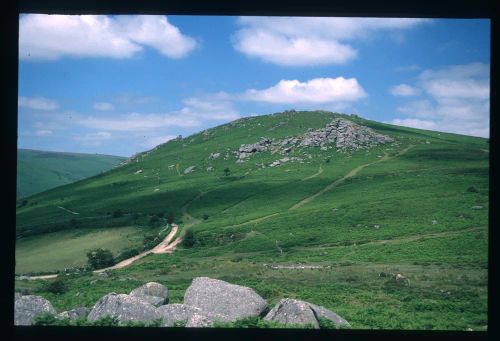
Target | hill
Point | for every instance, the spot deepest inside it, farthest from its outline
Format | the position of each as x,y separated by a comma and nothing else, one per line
315,205
38,171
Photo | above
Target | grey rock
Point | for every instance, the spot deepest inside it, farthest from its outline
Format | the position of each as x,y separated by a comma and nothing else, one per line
214,156
478,207
293,311
26,308
17,295
154,293
74,314
123,307
249,149
192,316
228,300
189,169
210,169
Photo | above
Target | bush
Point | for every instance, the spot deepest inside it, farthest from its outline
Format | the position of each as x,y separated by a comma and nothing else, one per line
189,239
170,217
100,258
56,287
127,254
472,189
117,213
205,216
73,223
227,171
154,220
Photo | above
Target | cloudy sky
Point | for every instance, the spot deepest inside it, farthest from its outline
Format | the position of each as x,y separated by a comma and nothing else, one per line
123,84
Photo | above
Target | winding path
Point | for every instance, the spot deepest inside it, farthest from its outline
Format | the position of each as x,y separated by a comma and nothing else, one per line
352,173
315,174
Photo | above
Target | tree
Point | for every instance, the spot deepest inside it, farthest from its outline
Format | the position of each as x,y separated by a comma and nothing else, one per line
227,171
189,239
170,217
100,258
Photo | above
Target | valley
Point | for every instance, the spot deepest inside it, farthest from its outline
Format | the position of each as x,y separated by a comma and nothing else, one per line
295,215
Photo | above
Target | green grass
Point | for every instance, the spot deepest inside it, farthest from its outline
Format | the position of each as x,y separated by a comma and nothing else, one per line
38,170
410,214
55,251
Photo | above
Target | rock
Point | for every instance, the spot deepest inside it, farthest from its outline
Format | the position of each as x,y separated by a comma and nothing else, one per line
74,314
154,293
189,170
230,301
293,311
123,307
138,172
478,207
26,308
434,222
246,150
210,169
192,316
17,295
103,274
214,156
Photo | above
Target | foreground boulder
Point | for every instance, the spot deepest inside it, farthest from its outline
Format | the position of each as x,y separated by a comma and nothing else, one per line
74,314
123,307
230,301
153,293
26,308
292,311
190,316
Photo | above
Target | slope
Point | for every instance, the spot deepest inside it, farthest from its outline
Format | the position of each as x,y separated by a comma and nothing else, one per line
38,171
417,206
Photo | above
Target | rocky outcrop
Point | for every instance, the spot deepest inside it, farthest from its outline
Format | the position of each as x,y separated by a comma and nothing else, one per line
189,169
26,308
344,134
154,293
230,301
249,149
123,307
340,133
74,314
291,311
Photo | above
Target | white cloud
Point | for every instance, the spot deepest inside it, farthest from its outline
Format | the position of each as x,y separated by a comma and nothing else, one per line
458,100
404,90
308,41
94,139
318,90
51,37
156,140
37,103
415,123
214,107
103,106
43,133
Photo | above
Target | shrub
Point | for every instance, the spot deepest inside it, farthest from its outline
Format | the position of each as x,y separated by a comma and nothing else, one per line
154,220
161,215
180,323
100,258
205,216
73,223
56,287
45,319
472,189
189,239
170,217
117,213
227,171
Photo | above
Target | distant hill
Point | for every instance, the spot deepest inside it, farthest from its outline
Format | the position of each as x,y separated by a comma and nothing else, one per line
38,170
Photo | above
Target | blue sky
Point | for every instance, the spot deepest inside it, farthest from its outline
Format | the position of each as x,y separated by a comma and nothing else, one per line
123,84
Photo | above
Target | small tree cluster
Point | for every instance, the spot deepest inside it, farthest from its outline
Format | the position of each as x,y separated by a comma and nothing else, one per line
100,258
189,239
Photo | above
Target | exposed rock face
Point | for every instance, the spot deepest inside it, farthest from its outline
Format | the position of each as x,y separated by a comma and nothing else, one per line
249,149
230,301
214,156
192,316
339,133
299,312
74,314
124,307
344,134
26,308
153,293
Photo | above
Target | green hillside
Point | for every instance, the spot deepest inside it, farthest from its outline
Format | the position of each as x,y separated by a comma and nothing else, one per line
38,171
417,206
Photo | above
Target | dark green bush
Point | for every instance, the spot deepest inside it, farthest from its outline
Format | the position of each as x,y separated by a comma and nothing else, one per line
472,189
56,287
205,216
117,213
189,239
100,258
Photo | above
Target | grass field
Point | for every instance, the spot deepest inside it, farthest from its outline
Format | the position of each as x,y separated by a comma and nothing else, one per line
418,207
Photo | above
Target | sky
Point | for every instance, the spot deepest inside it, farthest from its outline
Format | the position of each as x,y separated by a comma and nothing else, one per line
123,84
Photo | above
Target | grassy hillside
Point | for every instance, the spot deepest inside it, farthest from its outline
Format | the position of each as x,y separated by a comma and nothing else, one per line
38,171
417,206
